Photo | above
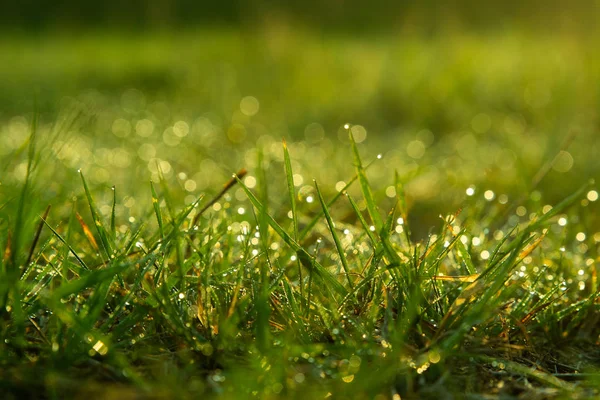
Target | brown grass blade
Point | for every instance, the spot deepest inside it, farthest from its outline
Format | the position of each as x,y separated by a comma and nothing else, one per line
7,251
458,278
37,234
87,232
531,247
230,183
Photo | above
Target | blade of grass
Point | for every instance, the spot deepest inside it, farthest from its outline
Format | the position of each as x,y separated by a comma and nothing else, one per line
87,232
291,190
373,211
462,250
166,195
561,206
401,197
113,227
263,309
336,239
292,194
157,212
20,214
36,238
66,244
87,280
362,220
531,372
230,183
309,227
97,221
307,260
365,187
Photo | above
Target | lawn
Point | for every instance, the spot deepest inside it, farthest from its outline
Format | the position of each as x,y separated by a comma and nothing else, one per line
281,214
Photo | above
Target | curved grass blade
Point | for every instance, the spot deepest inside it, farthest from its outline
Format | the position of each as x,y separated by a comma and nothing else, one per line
362,220
96,217
307,260
90,279
15,248
336,239
113,227
308,228
37,236
365,187
263,309
157,212
66,244
228,185
561,206
292,193
401,196
87,232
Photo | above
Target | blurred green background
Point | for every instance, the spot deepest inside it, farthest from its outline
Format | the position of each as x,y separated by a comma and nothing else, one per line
347,15
452,94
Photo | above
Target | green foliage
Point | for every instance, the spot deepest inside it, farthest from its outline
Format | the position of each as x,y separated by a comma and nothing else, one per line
279,288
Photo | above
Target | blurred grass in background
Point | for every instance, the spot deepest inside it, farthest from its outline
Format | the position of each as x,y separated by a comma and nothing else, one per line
448,111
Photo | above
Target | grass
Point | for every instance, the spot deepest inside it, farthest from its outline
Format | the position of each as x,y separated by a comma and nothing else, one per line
461,262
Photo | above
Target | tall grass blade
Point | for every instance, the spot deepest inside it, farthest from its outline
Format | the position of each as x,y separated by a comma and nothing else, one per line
87,232
228,185
21,207
291,189
157,212
292,195
263,310
309,227
102,232
401,196
336,239
113,224
365,187
81,262
36,238
307,260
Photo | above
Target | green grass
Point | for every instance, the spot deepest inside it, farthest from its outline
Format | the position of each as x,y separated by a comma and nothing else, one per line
453,253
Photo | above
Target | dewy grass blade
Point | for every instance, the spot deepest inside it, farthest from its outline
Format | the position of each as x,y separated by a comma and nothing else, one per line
133,239
66,244
89,279
466,257
87,232
113,227
20,214
460,247
532,372
307,260
37,236
157,212
292,191
336,239
228,185
365,187
381,250
292,194
309,227
166,195
362,221
97,221
401,196
374,212
263,310
561,206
